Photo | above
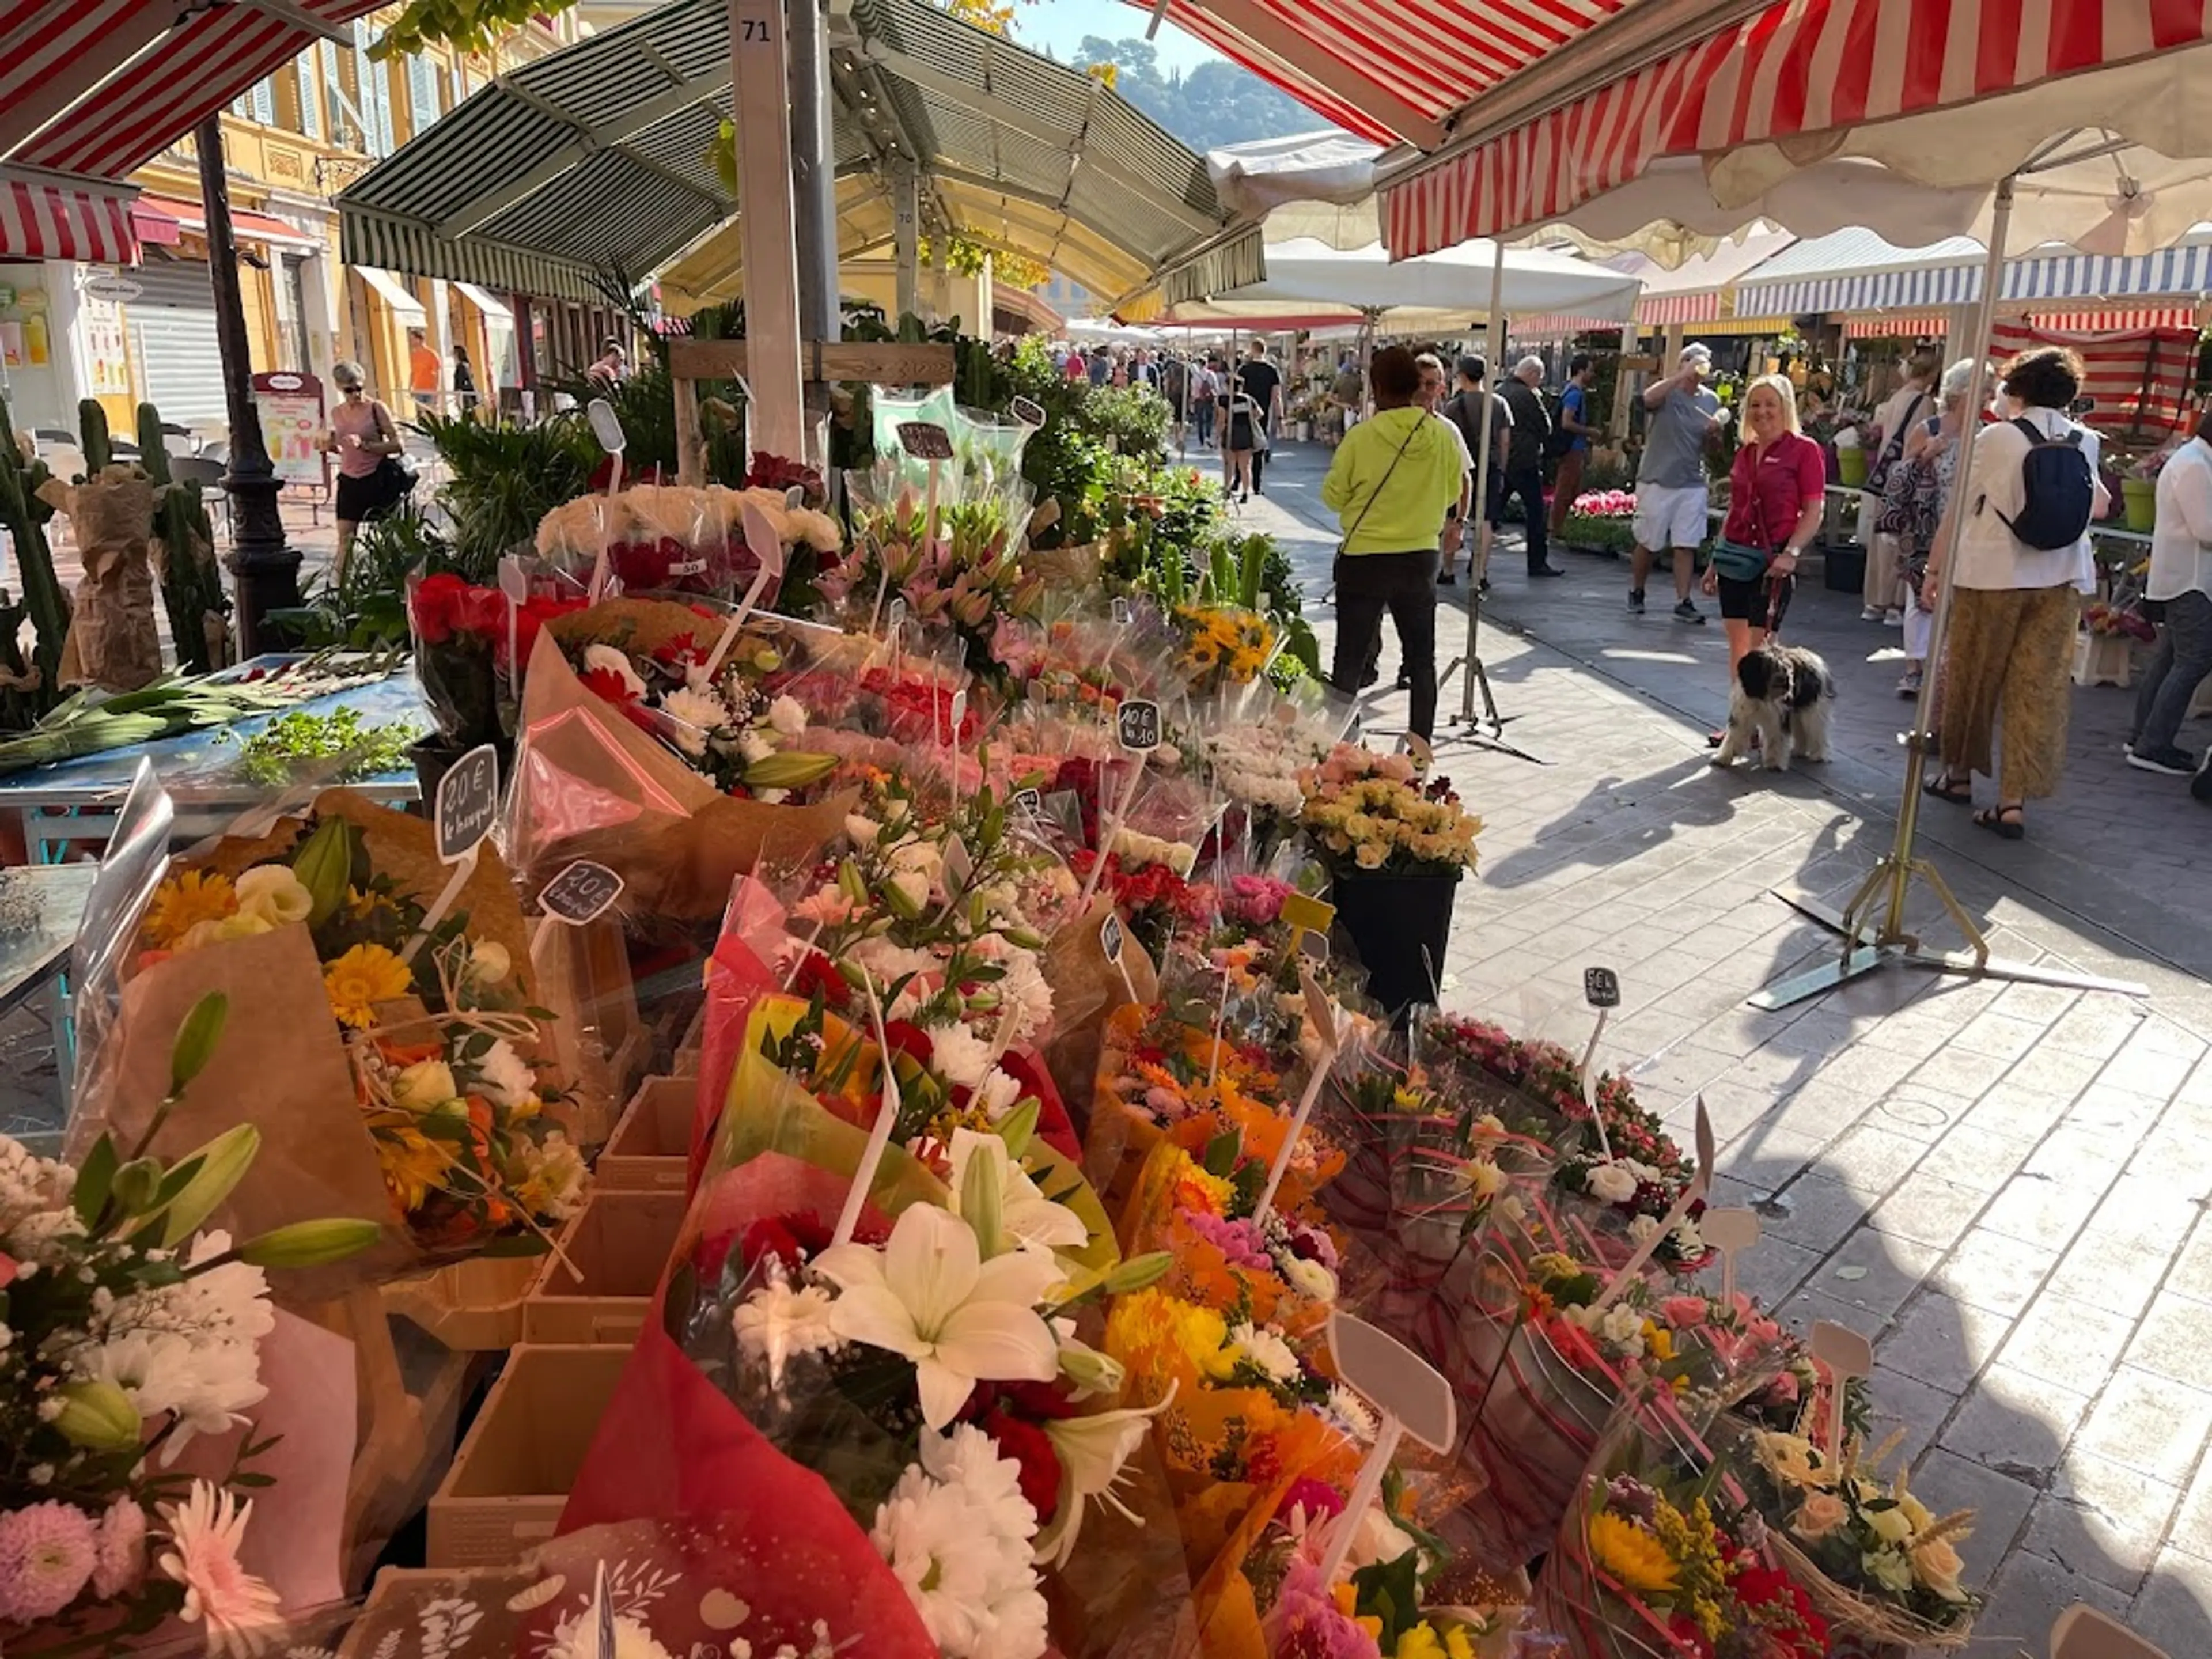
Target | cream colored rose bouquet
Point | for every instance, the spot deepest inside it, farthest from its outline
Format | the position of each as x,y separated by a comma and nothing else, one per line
1376,812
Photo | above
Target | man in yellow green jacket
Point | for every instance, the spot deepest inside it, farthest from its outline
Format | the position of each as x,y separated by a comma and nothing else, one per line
1394,477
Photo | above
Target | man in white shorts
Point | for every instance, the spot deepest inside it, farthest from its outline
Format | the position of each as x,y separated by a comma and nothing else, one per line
1671,496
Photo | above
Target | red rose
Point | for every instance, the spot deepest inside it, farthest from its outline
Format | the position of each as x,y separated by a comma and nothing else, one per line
1030,1448
435,605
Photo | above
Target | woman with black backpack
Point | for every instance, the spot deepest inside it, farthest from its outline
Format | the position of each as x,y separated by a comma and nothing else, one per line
2030,492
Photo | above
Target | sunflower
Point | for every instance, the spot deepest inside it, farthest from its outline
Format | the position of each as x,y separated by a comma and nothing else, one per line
362,977
1630,1554
414,1166
185,900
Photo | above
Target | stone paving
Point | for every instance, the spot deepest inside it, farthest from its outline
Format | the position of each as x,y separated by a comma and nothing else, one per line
2002,1185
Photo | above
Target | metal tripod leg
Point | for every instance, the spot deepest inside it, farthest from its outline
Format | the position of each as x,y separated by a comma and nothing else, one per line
1489,731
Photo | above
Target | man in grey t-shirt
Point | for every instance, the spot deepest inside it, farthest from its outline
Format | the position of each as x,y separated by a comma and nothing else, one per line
1671,498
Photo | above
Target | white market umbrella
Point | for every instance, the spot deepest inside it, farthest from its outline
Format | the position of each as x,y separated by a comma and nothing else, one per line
1306,278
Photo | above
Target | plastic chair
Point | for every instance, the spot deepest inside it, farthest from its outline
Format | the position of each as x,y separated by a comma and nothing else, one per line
2082,1633
180,441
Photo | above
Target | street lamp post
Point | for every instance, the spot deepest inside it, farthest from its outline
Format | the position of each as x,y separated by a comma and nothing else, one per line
264,570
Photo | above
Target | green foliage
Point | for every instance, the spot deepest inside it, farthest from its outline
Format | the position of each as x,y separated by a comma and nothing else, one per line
1214,104
92,427
470,25
273,754
34,686
504,478
366,608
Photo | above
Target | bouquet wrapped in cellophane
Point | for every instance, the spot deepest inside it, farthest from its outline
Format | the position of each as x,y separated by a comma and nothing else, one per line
607,769
1655,1557
153,1399
894,1364
676,538
395,1059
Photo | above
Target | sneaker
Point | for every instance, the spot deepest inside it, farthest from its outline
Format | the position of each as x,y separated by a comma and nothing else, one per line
1872,613
1687,612
1893,618
1545,570
1483,586
1909,685
1635,601
1445,579
2173,763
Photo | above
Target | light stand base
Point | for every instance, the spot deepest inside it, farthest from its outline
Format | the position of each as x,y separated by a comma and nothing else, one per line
1488,730
1903,949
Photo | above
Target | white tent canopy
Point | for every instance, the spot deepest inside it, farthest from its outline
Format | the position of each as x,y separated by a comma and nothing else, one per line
1323,168
1308,278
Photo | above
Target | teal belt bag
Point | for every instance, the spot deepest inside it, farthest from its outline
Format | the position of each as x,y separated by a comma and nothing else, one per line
1734,561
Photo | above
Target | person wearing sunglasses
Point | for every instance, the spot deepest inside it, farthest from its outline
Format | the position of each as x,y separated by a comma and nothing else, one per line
366,440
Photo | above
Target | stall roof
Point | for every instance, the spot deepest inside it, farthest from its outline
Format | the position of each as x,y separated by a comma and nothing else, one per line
1856,271
598,156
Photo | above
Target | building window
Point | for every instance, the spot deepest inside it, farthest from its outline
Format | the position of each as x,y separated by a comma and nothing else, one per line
422,93
310,108
257,103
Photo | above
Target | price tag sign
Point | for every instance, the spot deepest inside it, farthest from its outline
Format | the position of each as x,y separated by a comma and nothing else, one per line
1313,947
1302,911
1109,938
1319,1009
760,536
1600,988
1394,1380
925,441
897,615
1137,723
582,893
1030,801
1028,411
1418,746
467,803
793,499
958,866
606,425
1122,613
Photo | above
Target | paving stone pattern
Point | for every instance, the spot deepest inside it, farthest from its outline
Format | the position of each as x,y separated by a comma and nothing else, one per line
2003,1185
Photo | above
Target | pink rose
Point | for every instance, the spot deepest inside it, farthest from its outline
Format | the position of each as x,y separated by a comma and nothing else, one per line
1685,1313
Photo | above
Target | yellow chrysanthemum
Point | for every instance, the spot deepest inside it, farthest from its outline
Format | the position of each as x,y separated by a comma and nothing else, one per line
1419,1642
185,900
1636,1560
361,978
1152,1327
1458,1644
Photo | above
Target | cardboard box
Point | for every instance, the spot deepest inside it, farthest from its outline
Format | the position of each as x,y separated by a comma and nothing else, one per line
504,1493
650,1150
473,1306
619,1243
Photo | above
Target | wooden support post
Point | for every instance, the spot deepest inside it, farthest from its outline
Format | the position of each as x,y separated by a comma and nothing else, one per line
759,84
906,236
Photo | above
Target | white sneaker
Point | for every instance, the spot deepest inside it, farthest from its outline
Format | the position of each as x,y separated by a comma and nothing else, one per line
1872,613
1893,619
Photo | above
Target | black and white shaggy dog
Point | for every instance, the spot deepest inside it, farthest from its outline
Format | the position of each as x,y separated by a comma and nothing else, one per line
1781,698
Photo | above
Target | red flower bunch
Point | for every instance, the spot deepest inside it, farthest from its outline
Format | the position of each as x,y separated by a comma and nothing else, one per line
705,566
1158,900
1014,1414
443,605
776,472
919,711
1775,1604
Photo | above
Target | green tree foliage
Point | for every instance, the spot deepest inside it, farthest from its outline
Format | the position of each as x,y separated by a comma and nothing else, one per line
1215,104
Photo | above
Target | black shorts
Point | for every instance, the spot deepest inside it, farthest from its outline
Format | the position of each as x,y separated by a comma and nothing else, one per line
1747,601
360,500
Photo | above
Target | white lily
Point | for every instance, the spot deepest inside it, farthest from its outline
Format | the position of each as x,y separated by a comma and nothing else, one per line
1093,1450
1033,1220
929,1296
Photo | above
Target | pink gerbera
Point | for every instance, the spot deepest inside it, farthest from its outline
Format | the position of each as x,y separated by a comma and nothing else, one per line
205,1533
46,1555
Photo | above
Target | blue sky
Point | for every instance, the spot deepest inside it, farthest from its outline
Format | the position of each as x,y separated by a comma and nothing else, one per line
1058,26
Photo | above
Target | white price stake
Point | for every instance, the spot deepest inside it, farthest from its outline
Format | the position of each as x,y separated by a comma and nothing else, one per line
1409,1395
1844,1354
1220,1019
607,428
1111,942
959,713
1601,990
1322,1013
1731,1232
514,587
1425,755
871,1158
767,549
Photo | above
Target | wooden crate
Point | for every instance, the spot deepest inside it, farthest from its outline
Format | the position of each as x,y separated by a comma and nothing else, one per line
471,1307
650,1150
510,1479
618,1244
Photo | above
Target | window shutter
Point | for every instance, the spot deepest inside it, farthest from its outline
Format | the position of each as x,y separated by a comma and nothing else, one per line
311,110
421,93
262,99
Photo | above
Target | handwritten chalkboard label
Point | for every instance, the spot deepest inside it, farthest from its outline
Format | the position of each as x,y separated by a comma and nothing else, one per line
582,893
925,441
1110,937
1138,725
1600,988
467,803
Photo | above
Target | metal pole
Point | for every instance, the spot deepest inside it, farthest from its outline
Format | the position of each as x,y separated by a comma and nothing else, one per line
266,572
1924,707
1493,343
813,171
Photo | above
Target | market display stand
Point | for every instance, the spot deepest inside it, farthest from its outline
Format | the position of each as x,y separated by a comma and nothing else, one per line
69,809
883,364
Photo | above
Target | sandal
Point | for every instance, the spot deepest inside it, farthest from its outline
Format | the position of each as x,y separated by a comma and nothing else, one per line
1993,818
1959,792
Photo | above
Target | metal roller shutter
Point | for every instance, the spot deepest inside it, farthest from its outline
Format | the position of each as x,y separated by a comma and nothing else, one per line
173,338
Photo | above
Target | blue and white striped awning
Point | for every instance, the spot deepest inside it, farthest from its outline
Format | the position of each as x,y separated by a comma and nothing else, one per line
1874,276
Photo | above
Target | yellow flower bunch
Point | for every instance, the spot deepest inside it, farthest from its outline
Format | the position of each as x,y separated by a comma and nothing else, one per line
1692,1542
364,977
1236,644
1161,1336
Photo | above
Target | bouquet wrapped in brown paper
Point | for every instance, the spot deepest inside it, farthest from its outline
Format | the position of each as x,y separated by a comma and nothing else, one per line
633,760
385,1039
113,640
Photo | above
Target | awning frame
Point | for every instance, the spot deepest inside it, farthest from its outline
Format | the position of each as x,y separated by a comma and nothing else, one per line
395,295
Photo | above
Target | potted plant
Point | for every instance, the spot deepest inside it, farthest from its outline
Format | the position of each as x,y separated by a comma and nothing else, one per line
2139,489
1395,844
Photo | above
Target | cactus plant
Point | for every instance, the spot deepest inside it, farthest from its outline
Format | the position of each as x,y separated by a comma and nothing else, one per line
92,420
25,517
191,583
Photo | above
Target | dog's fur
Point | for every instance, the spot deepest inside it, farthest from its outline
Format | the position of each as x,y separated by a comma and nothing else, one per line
1782,694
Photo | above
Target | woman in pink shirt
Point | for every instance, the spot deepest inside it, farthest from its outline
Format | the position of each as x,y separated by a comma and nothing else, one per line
1776,495
363,436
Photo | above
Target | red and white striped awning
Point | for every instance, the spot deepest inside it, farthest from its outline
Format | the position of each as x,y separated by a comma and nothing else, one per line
1794,68
98,87
2138,321
2144,376
1387,70
1895,328
41,219
1659,310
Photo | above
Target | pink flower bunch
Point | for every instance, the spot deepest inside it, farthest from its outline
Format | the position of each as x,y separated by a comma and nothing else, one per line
1237,1241
1254,900
1605,504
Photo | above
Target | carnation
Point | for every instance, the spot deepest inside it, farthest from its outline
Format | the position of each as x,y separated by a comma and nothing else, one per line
958,1055
47,1553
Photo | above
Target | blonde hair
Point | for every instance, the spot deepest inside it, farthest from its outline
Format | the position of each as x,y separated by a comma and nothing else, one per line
1780,387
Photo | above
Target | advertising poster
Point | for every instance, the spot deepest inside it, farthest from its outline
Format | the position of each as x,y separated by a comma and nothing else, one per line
292,426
